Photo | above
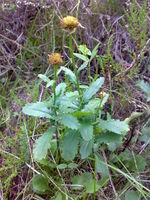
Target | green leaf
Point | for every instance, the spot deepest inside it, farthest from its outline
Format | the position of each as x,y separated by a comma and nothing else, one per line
86,130
72,165
72,95
145,87
82,67
39,109
42,144
86,148
85,180
40,184
108,137
60,89
94,52
131,195
79,114
84,50
66,104
46,80
58,196
138,163
145,134
100,167
90,186
69,73
92,106
104,100
78,181
82,57
62,166
70,145
69,121
93,89
115,126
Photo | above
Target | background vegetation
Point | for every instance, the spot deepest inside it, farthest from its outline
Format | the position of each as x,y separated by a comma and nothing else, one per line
118,35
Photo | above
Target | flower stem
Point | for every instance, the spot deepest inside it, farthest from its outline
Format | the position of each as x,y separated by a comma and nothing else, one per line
74,66
94,180
57,136
54,86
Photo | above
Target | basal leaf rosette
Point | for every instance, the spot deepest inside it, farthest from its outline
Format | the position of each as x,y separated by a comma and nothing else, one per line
55,59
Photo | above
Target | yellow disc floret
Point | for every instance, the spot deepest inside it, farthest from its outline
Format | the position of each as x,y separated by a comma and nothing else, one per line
70,23
55,59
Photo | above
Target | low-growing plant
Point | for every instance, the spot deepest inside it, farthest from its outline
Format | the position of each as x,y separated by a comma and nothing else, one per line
137,24
78,126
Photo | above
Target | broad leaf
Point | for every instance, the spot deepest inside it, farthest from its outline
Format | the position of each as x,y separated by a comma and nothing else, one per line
68,73
72,95
82,67
84,50
40,184
60,89
92,106
131,195
86,148
93,89
69,121
145,87
137,163
81,114
70,145
78,182
39,109
108,137
64,103
62,166
85,180
145,134
81,56
72,165
115,126
46,80
42,144
86,130
101,167
58,196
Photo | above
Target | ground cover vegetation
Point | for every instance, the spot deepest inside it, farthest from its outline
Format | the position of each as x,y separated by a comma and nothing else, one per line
74,100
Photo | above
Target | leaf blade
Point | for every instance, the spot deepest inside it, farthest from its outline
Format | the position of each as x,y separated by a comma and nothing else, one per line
70,145
42,144
93,89
39,109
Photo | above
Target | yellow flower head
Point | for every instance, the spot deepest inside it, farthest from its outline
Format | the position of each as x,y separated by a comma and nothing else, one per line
55,59
102,94
69,23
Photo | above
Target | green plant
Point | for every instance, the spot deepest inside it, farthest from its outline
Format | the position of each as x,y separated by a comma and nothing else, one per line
77,120
137,24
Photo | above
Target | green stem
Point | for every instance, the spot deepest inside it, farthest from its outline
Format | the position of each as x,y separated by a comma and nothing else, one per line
89,71
57,136
110,88
95,180
74,66
54,86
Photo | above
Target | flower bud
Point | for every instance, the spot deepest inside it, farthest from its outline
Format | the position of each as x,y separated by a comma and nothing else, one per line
70,23
55,59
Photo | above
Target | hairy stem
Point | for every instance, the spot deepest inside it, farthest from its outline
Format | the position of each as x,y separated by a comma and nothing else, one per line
54,91
74,66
